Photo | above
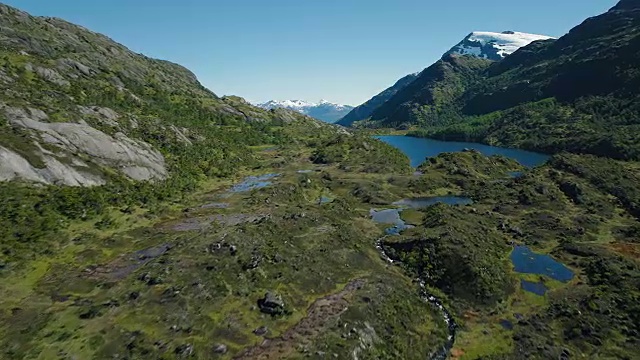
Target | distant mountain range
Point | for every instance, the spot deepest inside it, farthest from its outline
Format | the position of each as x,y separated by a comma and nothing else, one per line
323,110
481,44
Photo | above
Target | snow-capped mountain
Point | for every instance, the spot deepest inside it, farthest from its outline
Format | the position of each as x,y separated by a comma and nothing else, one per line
484,44
323,110
494,46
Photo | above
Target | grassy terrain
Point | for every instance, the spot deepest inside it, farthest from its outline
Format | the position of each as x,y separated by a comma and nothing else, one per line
93,296
181,268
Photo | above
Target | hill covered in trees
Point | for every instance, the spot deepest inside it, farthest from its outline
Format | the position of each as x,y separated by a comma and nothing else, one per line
577,93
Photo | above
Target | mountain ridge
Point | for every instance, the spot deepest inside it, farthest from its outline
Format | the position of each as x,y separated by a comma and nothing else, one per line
494,46
322,110
481,44
579,93
364,110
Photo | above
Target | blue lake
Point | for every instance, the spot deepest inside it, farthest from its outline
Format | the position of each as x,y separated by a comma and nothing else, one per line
417,149
526,261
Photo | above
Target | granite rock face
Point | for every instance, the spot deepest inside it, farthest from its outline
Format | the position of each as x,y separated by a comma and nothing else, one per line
73,142
77,108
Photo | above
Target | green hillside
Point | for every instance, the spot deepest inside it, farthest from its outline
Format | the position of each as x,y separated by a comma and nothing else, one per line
578,93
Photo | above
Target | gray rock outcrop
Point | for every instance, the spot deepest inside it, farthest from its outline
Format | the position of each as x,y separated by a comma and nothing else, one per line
103,114
48,74
14,167
136,159
271,304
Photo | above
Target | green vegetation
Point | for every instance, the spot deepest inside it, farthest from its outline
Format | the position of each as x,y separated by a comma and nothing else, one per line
425,101
576,94
578,208
179,267
596,125
476,270
361,153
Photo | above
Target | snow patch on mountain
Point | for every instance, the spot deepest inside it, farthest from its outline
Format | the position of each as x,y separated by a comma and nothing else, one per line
494,46
322,110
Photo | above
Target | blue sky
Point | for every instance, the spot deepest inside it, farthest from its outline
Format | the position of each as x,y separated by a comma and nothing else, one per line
343,51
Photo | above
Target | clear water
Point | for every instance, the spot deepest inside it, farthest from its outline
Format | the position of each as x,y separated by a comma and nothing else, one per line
253,182
417,149
537,288
419,203
390,216
515,174
528,262
325,200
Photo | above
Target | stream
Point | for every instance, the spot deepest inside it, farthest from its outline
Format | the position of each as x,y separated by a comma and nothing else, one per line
417,149
441,353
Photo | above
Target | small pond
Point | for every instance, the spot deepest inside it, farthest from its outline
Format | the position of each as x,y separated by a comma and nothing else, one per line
506,324
537,288
528,262
253,182
417,149
390,216
325,200
419,203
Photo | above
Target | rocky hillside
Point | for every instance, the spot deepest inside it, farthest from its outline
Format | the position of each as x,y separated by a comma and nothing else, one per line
365,110
478,44
322,110
79,109
579,93
436,85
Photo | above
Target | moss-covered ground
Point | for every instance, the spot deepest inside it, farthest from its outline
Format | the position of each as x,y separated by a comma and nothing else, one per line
136,284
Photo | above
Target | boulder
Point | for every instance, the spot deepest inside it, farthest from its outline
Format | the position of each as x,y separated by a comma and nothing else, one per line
103,114
271,304
52,76
573,191
76,66
261,331
220,349
184,350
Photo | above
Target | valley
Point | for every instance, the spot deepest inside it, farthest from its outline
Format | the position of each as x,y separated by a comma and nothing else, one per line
164,289
142,216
